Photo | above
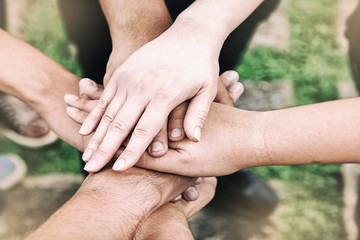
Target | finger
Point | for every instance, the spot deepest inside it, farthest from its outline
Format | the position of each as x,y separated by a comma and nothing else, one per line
103,127
190,194
230,80
76,115
119,129
223,95
198,181
88,89
236,89
176,123
95,115
159,145
206,192
80,103
146,129
229,77
196,114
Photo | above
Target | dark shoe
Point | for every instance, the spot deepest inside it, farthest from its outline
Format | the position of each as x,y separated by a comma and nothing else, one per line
245,193
12,170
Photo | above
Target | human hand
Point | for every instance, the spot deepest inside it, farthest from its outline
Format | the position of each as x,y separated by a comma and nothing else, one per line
79,107
116,209
229,90
176,117
130,101
170,220
217,154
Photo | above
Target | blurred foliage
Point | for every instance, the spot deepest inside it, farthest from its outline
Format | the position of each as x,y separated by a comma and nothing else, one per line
45,31
313,198
264,64
314,64
58,157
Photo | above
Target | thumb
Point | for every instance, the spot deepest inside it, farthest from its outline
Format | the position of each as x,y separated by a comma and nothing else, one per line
196,114
88,89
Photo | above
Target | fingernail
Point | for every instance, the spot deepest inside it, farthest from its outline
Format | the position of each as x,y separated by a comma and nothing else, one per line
230,76
235,87
157,147
91,89
175,133
176,199
197,133
198,181
84,130
119,165
90,166
191,194
70,98
72,110
87,155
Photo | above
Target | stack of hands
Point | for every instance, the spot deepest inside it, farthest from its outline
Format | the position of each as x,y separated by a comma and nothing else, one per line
171,135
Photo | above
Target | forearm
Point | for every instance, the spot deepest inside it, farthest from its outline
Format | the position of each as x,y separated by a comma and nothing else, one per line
134,23
36,79
319,133
167,222
214,20
111,205
27,73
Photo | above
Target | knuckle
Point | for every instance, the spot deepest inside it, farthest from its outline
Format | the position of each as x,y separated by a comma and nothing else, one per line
101,153
93,117
108,117
102,103
141,132
164,99
95,142
119,126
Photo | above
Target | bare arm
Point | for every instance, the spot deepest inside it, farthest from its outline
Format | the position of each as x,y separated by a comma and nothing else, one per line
132,24
179,65
235,139
171,220
111,206
36,79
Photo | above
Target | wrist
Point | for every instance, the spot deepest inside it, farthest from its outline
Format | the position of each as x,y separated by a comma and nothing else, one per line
168,222
251,126
200,32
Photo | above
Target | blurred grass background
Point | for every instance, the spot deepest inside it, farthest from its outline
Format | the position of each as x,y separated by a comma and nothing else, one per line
313,198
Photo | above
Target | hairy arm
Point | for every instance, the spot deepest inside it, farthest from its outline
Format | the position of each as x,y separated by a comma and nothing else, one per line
114,211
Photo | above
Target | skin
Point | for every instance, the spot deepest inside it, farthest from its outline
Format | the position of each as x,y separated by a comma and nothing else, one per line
171,220
228,79
314,134
114,211
132,25
179,65
139,191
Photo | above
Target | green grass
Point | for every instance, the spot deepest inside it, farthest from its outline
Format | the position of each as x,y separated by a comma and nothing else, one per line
44,30
314,64
55,158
